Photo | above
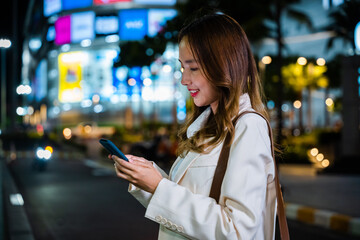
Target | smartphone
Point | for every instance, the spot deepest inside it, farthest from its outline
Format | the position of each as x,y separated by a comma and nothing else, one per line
112,149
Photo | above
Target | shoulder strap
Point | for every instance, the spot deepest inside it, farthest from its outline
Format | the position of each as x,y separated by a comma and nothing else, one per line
222,164
221,169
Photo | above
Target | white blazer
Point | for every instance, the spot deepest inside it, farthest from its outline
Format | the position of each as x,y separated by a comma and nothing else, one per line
247,203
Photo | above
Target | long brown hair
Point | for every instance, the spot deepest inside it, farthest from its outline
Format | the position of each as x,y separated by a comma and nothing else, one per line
223,51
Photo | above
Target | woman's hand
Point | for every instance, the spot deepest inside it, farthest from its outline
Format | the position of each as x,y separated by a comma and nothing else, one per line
138,171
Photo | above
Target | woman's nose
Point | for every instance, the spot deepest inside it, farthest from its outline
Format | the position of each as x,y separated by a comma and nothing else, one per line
185,79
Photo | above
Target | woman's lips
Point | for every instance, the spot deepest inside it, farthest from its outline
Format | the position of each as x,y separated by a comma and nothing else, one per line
193,93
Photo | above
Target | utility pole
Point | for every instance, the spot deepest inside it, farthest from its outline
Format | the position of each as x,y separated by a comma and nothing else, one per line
15,66
4,44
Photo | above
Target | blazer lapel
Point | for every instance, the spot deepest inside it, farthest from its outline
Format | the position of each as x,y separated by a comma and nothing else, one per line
191,156
184,165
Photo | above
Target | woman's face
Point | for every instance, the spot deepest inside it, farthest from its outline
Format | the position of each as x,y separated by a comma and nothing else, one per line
193,78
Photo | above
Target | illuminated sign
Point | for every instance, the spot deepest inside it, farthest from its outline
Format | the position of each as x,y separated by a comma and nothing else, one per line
62,28
70,76
106,25
51,7
156,2
102,2
357,36
157,19
41,80
82,26
133,24
50,35
327,4
71,4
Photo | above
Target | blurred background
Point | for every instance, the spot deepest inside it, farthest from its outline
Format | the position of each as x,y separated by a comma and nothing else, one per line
76,71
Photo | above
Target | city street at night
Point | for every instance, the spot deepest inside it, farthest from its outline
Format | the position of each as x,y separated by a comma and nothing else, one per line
83,199
70,200
252,108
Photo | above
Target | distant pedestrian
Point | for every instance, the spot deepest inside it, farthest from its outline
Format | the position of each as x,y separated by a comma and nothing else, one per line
220,73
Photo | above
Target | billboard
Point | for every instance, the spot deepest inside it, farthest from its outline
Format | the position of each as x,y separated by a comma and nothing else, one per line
62,28
71,4
82,26
106,25
157,19
50,35
40,81
156,2
357,36
70,76
103,2
51,7
133,24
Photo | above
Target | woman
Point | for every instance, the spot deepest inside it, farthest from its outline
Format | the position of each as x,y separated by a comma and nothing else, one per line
220,73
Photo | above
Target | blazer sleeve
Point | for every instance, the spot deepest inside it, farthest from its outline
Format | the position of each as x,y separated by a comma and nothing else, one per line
143,196
243,193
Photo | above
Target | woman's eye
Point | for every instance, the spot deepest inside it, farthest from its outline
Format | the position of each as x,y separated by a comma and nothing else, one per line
194,69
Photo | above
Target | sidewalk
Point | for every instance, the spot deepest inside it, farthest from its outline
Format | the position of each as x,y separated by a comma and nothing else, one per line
326,200
15,224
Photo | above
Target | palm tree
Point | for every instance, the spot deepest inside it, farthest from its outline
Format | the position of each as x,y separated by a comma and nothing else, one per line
248,13
274,15
333,74
252,15
343,21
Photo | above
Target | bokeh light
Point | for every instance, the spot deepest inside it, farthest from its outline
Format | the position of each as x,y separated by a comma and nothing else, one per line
266,60
302,61
320,157
314,151
297,104
67,133
320,61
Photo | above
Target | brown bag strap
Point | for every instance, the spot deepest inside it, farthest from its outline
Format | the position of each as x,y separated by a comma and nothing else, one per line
221,169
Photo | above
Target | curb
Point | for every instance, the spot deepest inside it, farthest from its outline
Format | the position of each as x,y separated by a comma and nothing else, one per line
31,154
17,223
323,218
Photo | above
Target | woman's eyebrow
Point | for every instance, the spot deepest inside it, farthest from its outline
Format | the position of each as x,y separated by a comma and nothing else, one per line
188,61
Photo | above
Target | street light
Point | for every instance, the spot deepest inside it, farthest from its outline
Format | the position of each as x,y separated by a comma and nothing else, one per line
297,104
302,61
4,44
321,61
266,60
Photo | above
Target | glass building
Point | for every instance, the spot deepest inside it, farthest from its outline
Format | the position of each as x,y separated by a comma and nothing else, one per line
68,64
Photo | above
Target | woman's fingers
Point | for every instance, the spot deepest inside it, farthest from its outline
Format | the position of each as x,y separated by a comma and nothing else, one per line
121,174
133,161
135,158
130,168
125,168
139,172
141,163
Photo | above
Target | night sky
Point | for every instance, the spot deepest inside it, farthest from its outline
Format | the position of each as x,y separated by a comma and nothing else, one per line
6,16
7,24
